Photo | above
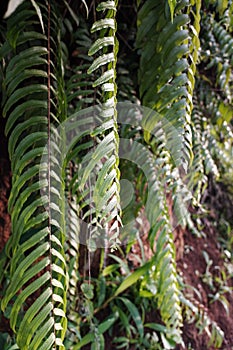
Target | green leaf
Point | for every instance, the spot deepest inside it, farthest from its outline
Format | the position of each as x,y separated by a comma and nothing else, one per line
20,110
172,5
47,345
32,312
135,315
133,278
106,76
88,290
14,347
100,43
102,24
102,328
39,14
109,269
24,59
106,5
222,6
20,278
23,92
23,127
156,326
101,61
42,332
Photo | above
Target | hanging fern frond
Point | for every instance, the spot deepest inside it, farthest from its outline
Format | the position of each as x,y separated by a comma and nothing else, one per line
36,247
160,236
218,56
197,176
94,146
214,94
166,77
106,194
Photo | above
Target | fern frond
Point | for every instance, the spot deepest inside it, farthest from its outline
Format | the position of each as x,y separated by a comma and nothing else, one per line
221,63
166,77
38,269
197,175
106,194
163,272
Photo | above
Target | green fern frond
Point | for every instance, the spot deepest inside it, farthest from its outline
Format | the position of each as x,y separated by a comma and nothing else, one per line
197,176
106,194
166,77
38,268
160,237
95,149
221,63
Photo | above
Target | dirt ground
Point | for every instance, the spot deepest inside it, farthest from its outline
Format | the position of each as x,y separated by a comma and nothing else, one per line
193,270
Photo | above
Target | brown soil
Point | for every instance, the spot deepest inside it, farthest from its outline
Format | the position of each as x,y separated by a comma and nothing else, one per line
192,267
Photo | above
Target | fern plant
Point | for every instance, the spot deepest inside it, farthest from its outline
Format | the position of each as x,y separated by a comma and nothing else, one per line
70,144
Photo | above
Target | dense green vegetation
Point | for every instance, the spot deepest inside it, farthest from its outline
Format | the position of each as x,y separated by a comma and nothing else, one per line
115,121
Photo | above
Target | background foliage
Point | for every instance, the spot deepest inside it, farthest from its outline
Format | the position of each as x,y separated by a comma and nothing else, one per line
175,59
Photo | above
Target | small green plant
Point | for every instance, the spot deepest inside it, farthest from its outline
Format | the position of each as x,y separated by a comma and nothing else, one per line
217,279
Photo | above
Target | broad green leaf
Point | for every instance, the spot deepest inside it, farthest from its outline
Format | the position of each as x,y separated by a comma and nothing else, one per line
156,326
47,345
34,286
133,278
17,220
42,333
23,127
34,154
13,83
26,143
21,276
14,347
